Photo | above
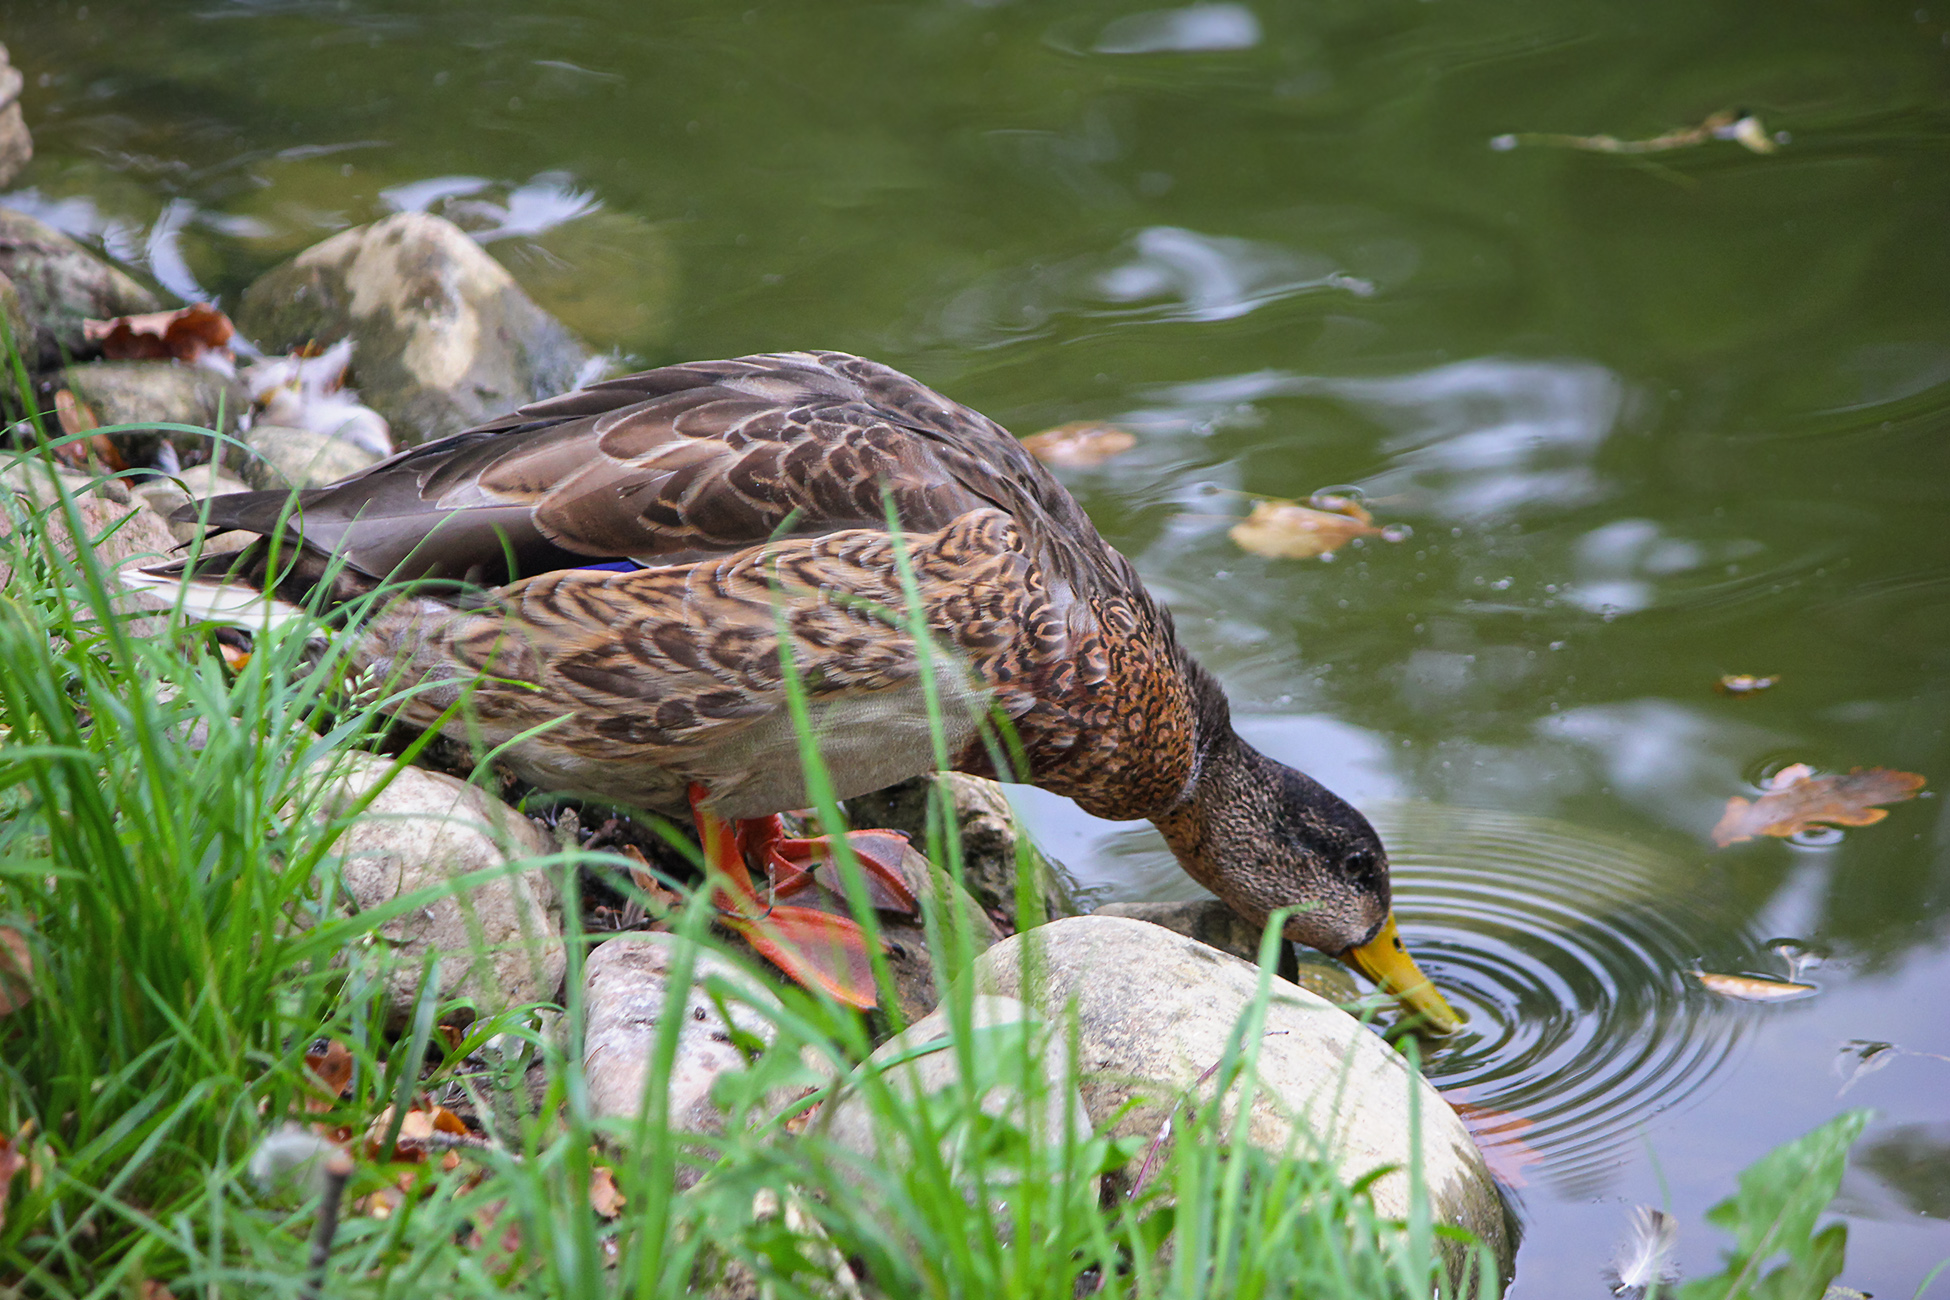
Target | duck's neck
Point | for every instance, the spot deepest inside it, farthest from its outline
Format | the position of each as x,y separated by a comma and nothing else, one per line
1226,792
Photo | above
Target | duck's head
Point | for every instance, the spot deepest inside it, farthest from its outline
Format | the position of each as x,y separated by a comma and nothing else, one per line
1264,837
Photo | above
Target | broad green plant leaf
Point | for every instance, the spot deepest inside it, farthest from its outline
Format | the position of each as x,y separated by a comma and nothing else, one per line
1773,1214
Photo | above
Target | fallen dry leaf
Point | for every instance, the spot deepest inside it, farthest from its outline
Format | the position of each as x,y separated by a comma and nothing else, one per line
1285,530
1744,129
1080,444
415,1133
1739,684
330,1062
182,335
76,417
1749,988
605,1198
16,971
156,1291
1798,799
12,1158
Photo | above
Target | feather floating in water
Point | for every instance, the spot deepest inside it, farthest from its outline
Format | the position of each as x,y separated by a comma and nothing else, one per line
1645,1260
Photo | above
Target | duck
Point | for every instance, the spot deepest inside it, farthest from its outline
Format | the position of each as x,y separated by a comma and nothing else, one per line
621,589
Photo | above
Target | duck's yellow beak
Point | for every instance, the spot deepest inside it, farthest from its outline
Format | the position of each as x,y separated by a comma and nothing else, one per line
1384,960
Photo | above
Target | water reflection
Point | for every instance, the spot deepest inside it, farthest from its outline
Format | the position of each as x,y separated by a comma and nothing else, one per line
1188,30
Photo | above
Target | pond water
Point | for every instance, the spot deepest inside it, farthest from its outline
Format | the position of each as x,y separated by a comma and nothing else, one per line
1651,417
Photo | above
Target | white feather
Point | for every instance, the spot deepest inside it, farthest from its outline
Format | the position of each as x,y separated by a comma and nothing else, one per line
1645,1260
216,602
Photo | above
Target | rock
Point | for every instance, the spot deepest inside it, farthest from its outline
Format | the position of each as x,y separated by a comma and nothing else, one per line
275,458
16,145
990,839
852,1121
1154,1012
166,492
60,285
1214,924
626,992
445,338
120,530
500,941
157,392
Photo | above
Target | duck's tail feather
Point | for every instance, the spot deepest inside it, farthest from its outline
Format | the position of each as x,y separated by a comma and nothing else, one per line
242,589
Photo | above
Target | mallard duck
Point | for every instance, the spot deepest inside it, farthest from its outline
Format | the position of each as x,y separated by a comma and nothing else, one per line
622,562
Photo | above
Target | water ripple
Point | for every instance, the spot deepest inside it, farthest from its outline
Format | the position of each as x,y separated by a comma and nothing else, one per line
1567,949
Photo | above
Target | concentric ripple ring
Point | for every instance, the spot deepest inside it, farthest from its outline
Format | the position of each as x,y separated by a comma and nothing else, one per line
1568,950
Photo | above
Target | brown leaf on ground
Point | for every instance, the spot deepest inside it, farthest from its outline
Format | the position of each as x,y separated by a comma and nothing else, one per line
16,971
156,1291
1797,799
1080,444
330,1063
76,417
605,1198
500,1240
653,889
13,1158
181,335
1286,530
1495,1132
416,1132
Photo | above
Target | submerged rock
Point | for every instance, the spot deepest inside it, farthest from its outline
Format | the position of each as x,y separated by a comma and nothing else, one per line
61,284
499,941
626,991
991,840
1155,1012
445,338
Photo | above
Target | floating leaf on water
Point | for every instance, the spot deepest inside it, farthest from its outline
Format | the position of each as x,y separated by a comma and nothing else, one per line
1750,988
1646,1257
190,334
1796,800
1080,444
1285,530
1738,685
1743,129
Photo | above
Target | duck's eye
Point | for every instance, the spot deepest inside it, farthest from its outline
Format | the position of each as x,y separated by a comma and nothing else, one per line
1361,865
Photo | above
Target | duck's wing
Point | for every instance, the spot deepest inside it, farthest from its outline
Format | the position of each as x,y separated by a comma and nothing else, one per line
675,465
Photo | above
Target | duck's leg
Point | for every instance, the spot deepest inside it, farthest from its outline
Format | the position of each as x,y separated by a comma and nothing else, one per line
790,862
816,949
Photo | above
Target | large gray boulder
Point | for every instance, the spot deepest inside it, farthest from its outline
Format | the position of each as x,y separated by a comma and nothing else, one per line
1155,1011
626,998
1213,923
922,1062
499,940
444,337
61,284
